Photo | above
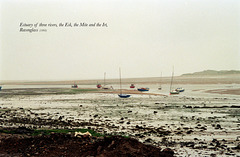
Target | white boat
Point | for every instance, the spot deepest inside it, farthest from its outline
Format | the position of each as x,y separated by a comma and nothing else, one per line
180,89
172,91
104,85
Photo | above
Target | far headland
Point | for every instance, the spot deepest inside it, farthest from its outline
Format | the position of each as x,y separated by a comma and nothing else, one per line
213,72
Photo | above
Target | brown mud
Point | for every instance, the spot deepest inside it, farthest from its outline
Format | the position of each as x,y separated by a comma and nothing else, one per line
61,144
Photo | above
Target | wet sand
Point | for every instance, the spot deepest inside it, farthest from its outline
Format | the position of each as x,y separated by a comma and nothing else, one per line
129,92
225,91
188,125
222,79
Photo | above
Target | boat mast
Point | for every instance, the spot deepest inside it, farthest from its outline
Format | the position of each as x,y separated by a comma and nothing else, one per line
161,81
120,81
172,80
104,78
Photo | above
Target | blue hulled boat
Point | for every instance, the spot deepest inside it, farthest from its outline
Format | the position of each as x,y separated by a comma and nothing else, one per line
124,95
180,89
143,89
121,95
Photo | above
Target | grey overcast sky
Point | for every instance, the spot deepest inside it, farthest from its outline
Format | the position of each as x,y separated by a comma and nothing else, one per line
143,37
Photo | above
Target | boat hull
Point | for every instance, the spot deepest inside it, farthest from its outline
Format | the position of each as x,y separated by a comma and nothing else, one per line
143,89
124,95
107,87
174,92
180,89
132,86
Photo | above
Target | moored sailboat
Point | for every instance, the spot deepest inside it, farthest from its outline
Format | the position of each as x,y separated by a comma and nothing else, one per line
75,85
121,95
160,87
104,85
173,91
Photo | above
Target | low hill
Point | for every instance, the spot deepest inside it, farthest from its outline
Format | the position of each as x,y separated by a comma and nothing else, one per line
213,72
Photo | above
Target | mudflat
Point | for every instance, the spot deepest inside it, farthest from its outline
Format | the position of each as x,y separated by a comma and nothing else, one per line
202,121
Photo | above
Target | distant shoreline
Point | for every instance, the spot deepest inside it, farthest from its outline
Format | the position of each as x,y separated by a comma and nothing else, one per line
212,79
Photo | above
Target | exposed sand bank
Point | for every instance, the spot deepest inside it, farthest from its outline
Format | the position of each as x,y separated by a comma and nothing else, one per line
225,91
225,79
